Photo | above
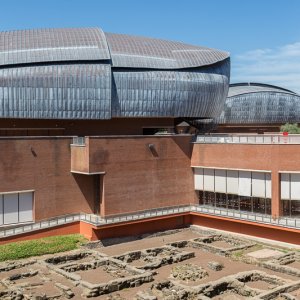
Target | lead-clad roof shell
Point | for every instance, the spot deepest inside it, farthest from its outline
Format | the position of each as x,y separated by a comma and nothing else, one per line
49,45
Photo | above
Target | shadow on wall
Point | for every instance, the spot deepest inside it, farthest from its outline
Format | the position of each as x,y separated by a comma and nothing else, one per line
184,143
86,186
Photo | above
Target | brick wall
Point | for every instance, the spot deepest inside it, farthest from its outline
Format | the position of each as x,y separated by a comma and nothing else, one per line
134,179
137,179
43,165
272,157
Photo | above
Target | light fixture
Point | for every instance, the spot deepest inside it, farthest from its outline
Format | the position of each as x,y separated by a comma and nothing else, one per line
153,150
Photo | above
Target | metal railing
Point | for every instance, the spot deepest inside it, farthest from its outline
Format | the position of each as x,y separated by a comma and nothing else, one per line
147,214
79,141
247,216
248,139
92,219
164,211
53,222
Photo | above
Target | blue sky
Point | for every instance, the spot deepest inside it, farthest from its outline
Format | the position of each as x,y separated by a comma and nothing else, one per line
263,36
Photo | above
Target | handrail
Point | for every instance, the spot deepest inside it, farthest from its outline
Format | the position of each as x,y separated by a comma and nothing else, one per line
163,211
248,139
147,213
248,216
43,224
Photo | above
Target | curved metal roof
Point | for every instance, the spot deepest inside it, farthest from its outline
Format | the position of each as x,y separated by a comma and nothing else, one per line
251,87
257,103
79,44
48,45
86,74
141,52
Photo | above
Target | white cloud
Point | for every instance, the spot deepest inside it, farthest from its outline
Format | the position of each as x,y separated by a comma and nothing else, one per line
279,66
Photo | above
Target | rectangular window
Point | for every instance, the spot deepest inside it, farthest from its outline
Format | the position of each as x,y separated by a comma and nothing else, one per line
295,208
232,182
16,208
209,180
233,202
295,186
258,184
11,208
220,181
25,207
244,183
285,186
290,194
198,179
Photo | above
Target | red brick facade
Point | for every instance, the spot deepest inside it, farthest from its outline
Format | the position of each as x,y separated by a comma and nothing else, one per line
274,158
134,178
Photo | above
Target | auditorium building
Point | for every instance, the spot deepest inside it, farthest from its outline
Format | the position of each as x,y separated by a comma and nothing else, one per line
101,132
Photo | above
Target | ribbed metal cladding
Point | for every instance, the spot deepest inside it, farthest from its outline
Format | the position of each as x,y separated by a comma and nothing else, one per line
261,107
56,92
46,45
245,88
141,52
168,93
82,73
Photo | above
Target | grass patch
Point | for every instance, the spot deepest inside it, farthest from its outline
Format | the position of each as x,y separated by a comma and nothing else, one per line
48,245
238,254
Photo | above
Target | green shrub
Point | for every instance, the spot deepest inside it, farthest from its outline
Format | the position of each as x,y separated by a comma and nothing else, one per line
290,128
48,245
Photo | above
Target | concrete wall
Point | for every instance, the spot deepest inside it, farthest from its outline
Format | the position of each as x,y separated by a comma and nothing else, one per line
272,157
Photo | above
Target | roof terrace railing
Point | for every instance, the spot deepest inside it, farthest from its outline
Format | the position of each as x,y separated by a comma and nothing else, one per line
44,224
248,139
247,216
156,212
163,211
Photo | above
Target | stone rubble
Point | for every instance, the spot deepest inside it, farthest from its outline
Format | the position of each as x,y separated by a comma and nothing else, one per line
188,272
215,266
31,274
154,258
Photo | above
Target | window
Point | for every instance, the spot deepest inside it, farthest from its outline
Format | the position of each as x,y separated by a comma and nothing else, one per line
16,208
248,191
290,194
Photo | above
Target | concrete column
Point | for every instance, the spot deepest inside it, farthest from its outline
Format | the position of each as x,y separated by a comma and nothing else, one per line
275,202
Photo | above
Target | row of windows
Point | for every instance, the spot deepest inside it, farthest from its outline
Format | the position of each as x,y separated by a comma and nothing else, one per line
235,202
238,182
246,183
290,208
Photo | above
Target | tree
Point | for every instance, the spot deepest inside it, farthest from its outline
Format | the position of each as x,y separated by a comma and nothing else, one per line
290,128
